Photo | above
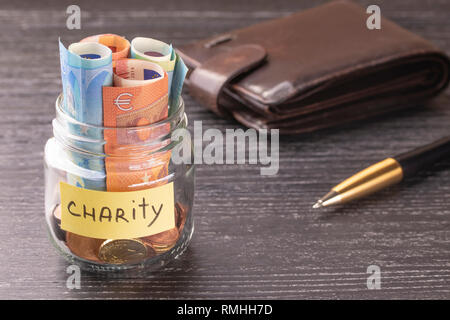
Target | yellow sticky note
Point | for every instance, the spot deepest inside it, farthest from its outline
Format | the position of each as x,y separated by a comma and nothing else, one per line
117,215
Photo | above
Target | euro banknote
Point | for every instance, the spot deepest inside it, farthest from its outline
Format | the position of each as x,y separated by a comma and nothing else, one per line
119,46
155,51
139,98
134,72
178,79
163,54
132,93
85,69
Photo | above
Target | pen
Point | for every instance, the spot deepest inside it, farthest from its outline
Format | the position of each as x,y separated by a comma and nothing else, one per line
385,173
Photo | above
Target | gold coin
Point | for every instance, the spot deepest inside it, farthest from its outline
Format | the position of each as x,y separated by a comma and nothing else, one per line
164,238
122,251
83,247
163,241
160,250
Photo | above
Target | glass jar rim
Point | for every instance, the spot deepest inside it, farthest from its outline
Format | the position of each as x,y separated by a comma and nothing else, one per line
82,138
175,114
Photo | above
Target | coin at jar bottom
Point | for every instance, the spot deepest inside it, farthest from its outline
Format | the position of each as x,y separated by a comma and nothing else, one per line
180,216
163,241
121,251
56,222
84,247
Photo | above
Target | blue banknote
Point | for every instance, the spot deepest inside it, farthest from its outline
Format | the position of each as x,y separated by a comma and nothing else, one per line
83,74
179,74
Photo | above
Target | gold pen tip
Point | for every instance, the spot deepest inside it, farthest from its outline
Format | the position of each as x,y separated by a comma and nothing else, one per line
320,202
317,205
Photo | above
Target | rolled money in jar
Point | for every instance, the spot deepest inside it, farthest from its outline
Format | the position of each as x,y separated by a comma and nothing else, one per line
136,101
133,72
163,54
119,46
86,67
84,247
163,241
152,50
155,51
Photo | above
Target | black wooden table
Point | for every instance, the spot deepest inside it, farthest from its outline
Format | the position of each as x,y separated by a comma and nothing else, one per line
256,236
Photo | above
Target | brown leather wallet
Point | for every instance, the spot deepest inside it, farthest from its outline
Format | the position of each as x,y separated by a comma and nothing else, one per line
313,69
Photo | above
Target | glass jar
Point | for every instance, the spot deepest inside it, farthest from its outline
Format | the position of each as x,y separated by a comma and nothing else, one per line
114,198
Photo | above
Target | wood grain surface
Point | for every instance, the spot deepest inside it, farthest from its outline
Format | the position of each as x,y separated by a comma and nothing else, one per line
255,236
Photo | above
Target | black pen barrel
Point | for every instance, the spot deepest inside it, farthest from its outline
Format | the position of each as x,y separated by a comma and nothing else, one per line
414,160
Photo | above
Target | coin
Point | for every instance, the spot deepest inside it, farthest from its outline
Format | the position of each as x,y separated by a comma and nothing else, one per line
161,249
163,241
180,216
84,247
56,223
122,251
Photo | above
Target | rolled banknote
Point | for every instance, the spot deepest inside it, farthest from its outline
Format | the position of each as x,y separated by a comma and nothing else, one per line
126,107
155,51
140,105
119,46
133,72
85,69
163,54
179,75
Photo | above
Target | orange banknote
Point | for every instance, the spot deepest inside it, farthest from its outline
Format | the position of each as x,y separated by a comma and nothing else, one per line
134,161
119,46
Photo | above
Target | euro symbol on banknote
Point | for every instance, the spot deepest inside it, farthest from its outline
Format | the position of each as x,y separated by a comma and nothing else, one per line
118,102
